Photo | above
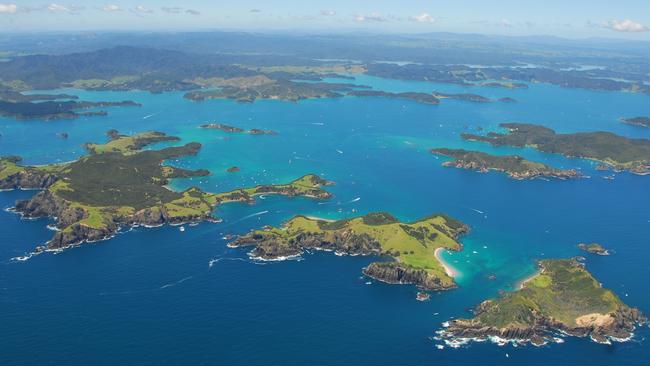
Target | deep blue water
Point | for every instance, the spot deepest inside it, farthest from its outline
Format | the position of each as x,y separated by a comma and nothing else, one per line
150,296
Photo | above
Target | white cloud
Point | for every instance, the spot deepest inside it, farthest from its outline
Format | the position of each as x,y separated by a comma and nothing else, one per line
172,10
372,17
505,23
424,18
626,25
8,8
111,8
141,9
58,8
179,10
328,13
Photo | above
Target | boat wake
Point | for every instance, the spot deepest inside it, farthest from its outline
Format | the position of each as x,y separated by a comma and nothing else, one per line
176,283
214,261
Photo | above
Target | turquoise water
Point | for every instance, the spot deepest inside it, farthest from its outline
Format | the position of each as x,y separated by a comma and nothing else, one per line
150,296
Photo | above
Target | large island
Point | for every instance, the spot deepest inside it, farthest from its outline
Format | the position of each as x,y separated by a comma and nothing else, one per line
52,107
562,297
286,90
425,98
120,185
515,166
617,152
412,247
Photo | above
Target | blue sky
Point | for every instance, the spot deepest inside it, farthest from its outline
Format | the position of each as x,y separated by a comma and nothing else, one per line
567,18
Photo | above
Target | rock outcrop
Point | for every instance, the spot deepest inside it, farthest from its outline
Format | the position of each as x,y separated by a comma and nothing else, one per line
396,273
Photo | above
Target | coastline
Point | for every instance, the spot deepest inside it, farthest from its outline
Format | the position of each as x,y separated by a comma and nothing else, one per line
449,270
523,282
319,218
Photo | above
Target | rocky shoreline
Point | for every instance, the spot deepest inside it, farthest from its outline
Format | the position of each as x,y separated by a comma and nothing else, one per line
578,306
395,273
514,166
617,326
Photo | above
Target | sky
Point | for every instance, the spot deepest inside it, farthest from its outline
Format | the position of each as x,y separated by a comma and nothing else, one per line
628,19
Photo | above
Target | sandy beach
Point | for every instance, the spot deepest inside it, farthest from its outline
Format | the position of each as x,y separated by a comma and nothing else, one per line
451,272
319,218
521,283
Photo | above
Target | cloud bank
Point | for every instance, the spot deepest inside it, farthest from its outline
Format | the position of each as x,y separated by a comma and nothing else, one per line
625,25
8,8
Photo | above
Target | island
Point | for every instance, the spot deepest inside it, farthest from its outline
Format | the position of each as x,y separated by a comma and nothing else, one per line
222,127
593,248
233,129
233,169
53,110
413,248
462,96
414,96
118,185
617,152
286,90
562,297
515,166
637,121
507,100
505,85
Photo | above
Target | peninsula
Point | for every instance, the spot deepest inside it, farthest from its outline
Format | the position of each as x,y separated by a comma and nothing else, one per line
119,185
562,297
515,166
412,247
617,152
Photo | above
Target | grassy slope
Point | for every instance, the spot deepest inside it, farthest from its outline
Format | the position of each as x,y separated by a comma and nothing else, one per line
117,179
412,244
9,167
562,291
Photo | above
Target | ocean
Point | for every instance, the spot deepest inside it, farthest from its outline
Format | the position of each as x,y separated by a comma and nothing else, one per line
161,296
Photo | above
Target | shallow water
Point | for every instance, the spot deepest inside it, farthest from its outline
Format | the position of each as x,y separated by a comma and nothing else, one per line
150,296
